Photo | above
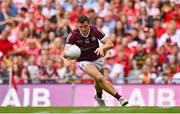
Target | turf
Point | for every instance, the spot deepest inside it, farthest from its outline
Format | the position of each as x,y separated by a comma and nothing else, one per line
89,110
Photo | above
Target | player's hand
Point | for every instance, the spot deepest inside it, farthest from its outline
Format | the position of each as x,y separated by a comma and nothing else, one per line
66,56
99,51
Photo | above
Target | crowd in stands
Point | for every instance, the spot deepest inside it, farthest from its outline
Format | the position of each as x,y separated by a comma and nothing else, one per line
145,33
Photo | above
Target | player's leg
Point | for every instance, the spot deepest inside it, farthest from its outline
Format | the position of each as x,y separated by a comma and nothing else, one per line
99,92
98,96
92,71
98,88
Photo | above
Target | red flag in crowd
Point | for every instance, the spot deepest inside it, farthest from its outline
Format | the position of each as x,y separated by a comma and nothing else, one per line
13,82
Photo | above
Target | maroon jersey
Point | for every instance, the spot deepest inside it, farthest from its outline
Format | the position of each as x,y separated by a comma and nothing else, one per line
87,44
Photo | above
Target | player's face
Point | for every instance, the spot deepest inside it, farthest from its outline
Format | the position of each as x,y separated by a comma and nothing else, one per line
84,28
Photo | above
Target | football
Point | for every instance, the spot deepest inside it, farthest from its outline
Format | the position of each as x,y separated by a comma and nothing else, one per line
73,52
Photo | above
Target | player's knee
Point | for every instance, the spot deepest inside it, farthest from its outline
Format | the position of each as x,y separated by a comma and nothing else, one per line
100,79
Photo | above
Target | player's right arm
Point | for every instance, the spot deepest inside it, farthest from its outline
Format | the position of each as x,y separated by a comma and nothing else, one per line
66,47
69,41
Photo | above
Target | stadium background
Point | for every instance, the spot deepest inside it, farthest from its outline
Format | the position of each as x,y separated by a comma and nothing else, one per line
144,64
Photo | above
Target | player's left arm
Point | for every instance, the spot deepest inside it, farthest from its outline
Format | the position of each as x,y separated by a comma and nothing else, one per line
108,44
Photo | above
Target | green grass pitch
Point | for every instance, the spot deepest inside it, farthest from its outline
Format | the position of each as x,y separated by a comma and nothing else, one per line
88,110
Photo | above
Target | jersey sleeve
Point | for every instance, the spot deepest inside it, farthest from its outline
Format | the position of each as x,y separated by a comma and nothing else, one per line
98,33
70,39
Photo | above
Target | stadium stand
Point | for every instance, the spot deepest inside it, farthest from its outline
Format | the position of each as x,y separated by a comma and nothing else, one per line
146,35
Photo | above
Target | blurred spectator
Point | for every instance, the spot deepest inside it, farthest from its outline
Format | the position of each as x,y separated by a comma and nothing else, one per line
4,73
92,16
60,12
176,78
21,43
123,59
161,79
61,70
156,67
153,8
56,49
33,48
161,54
29,4
39,19
6,47
178,62
68,5
42,60
63,29
101,7
110,21
145,74
40,2
150,46
175,50
71,76
128,45
7,13
168,72
31,72
144,32
75,13
116,70
126,25
51,38
87,3
143,16
169,36
100,25
157,25
49,10
171,64
139,58
119,29
43,39
130,11
51,24
168,11
18,66
49,72
23,18
13,30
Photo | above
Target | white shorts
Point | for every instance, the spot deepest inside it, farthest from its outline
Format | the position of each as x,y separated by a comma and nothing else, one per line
99,63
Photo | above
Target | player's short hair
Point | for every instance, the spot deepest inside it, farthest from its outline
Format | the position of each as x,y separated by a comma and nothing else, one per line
83,19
